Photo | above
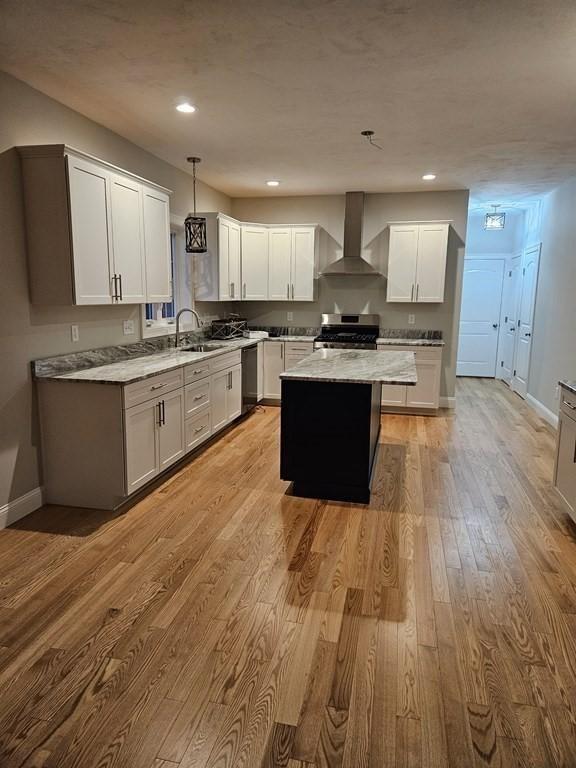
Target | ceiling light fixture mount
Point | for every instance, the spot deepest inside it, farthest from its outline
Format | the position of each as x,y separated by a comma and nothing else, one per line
195,226
495,220
186,107
370,136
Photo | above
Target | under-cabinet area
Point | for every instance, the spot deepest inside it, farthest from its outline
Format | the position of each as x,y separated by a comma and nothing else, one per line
101,442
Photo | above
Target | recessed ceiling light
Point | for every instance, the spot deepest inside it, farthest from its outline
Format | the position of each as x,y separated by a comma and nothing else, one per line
273,183
185,107
429,177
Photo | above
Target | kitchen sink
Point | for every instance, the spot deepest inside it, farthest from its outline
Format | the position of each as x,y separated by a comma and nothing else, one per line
201,347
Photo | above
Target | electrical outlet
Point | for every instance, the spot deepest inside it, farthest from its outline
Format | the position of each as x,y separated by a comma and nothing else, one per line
75,333
411,319
290,316
128,327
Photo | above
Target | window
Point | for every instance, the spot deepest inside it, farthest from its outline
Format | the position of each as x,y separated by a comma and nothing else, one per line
159,319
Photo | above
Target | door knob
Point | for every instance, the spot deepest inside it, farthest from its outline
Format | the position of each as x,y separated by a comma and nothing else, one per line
494,325
527,334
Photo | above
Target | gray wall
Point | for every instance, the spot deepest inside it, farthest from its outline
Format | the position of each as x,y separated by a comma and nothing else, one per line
27,332
554,332
368,294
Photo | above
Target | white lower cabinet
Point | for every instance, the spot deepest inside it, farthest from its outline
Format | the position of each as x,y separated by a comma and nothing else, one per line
565,466
154,437
198,428
226,396
425,395
273,367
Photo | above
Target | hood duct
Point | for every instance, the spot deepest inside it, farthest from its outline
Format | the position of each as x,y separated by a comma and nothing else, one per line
352,262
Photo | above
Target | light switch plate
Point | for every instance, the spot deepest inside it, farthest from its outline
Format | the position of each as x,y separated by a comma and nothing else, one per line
128,327
290,316
75,333
411,319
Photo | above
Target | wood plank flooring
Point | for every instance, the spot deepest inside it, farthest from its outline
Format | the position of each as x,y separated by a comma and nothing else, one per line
221,623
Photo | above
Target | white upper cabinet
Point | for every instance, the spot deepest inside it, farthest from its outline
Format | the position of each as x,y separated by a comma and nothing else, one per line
96,234
90,224
279,267
417,262
254,262
128,265
303,263
227,257
292,263
156,216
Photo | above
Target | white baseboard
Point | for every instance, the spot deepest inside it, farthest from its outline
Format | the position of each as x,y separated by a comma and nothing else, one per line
447,402
18,508
541,410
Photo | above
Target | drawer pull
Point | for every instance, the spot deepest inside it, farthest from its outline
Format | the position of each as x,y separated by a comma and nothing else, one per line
157,386
569,405
201,370
199,429
199,397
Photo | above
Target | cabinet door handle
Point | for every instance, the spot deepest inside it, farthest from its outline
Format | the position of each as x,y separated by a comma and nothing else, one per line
120,281
244,291
163,412
287,290
159,404
115,287
281,350
232,290
417,289
230,374
569,405
292,291
412,293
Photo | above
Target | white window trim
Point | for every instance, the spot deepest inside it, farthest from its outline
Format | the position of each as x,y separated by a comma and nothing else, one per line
166,327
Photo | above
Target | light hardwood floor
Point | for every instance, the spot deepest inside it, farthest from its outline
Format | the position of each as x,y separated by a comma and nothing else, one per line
221,622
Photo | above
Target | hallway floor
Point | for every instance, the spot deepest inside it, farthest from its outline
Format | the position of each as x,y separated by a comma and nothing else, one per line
221,622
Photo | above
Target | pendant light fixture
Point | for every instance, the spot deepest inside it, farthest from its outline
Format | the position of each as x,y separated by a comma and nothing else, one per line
494,220
195,226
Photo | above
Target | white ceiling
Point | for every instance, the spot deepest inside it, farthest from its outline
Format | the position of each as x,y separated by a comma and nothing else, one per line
480,91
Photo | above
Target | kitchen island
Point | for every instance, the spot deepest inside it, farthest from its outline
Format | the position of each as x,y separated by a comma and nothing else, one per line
331,419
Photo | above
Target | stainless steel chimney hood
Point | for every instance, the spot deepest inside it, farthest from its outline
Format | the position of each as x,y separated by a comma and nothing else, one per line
352,262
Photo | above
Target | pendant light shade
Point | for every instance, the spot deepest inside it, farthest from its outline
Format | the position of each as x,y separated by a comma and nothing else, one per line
495,220
195,226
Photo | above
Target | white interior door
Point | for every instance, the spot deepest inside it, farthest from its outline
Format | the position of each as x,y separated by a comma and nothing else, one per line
529,281
509,319
480,317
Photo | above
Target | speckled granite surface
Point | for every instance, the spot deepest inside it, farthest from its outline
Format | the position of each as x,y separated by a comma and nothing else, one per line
410,337
569,385
128,371
355,366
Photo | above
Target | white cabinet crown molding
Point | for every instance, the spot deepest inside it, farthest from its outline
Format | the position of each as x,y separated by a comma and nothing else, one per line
59,150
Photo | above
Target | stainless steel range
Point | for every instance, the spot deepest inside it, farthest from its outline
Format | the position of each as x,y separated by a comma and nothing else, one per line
348,332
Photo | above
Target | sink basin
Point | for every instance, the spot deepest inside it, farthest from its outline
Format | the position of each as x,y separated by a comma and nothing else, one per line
201,347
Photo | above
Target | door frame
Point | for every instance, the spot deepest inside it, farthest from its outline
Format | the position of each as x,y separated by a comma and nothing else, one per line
504,321
521,389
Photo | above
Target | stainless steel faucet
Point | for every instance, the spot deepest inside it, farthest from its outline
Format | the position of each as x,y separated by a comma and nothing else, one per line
180,313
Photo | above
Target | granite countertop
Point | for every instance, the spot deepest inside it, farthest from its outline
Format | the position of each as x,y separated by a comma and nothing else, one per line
139,368
309,339
355,366
411,342
569,385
